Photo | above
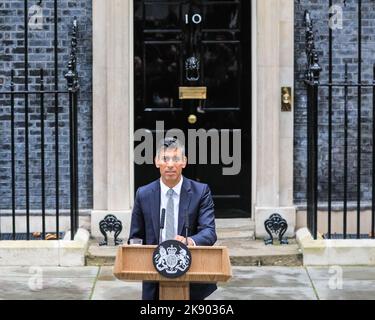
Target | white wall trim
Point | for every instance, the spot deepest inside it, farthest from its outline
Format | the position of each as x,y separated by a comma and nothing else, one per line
254,102
131,104
102,68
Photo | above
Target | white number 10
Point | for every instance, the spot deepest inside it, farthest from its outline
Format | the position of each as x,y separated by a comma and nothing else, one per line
196,18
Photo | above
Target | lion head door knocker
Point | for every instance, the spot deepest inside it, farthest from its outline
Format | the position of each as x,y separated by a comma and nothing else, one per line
192,66
110,224
277,226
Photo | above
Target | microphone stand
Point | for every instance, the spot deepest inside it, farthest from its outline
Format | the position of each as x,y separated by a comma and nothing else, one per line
186,227
162,222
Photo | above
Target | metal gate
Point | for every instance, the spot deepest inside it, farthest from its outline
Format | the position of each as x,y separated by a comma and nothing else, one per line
27,101
340,163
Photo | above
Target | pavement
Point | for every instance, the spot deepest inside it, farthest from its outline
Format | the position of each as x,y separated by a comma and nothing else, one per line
259,273
248,283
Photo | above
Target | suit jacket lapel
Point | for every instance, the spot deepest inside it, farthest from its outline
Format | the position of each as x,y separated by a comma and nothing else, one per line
185,198
155,208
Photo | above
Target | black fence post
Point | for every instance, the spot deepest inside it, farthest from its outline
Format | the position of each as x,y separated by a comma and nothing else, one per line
42,155
13,156
314,157
346,132
57,142
312,82
73,87
27,155
373,158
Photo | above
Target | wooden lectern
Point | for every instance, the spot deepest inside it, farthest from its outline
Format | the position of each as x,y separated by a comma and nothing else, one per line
209,264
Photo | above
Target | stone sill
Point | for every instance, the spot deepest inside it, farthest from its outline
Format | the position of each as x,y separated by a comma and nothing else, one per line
322,252
335,206
49,212
63,253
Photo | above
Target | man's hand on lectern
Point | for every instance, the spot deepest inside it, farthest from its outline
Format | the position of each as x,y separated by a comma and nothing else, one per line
182,239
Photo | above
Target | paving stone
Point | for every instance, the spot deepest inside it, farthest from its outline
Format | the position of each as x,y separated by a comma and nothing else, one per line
356,283
50,272
263,294
268,277
350,290
266,283
349,273
109,288
20,288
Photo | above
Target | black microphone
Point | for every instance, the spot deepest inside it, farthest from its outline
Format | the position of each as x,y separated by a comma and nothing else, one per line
162,222
186,226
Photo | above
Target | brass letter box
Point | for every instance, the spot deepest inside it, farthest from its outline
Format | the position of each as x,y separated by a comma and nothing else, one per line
189,93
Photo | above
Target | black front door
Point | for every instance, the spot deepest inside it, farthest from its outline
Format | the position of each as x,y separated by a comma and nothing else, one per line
203,46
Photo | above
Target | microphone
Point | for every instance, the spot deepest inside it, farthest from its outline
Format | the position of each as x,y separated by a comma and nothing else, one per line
162,222
186,226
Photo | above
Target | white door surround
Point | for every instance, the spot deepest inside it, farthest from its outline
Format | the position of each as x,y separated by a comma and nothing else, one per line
273,60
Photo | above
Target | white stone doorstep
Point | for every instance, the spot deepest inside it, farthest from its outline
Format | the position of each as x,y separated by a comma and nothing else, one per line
63,253
324,252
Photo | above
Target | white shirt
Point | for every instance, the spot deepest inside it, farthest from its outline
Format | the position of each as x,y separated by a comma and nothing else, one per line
176,202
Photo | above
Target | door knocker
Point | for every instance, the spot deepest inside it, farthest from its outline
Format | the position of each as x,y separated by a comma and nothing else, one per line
192,69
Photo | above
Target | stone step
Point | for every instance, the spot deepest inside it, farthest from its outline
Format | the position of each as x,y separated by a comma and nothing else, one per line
236,234
235,228
100,256
242,251
250,252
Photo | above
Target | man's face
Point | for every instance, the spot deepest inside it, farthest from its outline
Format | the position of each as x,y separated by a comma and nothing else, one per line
170,163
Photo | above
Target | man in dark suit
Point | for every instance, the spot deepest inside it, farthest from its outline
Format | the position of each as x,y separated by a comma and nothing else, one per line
179,196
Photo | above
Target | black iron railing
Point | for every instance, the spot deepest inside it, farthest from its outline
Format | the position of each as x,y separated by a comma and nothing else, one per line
15,98
322,98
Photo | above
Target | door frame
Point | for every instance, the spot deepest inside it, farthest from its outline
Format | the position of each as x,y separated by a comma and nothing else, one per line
113,118
253,102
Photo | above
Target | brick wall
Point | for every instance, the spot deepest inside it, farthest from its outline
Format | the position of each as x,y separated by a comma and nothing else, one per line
41,55
345,51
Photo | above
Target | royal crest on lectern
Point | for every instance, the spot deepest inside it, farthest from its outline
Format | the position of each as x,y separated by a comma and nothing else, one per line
172,259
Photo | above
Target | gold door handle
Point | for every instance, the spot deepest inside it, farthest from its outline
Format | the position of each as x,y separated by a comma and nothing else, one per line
192,119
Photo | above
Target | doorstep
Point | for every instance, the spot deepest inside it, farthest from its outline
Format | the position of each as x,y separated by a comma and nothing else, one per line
236,234
242,252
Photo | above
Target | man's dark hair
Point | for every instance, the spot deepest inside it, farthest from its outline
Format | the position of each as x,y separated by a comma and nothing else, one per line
170,143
